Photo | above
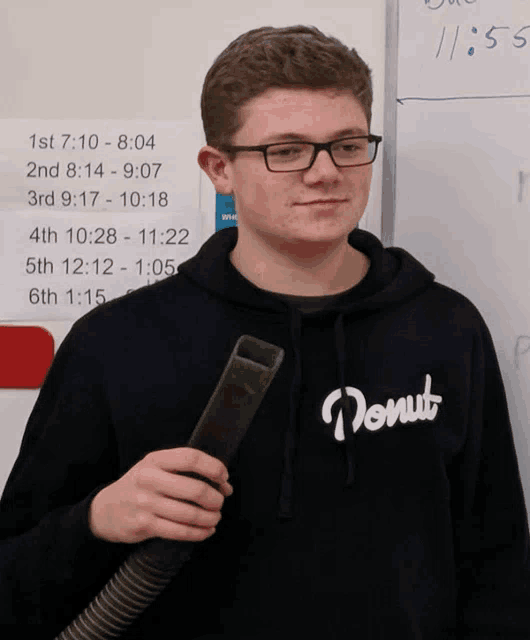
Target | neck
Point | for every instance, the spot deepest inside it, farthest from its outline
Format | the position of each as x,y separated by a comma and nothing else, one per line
315,271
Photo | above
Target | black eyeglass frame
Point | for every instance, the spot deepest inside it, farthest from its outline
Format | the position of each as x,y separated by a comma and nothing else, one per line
317,147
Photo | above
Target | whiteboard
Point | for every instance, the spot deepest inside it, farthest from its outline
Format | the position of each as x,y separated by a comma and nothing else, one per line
463,169
105,64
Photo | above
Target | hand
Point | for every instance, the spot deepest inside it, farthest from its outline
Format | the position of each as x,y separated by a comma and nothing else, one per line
153,501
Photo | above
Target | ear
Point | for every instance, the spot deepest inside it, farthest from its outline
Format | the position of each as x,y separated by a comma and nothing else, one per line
218,168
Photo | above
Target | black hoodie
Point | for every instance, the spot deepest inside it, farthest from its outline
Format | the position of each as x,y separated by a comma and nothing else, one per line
377,492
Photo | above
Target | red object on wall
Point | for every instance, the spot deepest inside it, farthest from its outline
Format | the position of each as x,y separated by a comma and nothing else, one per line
26,354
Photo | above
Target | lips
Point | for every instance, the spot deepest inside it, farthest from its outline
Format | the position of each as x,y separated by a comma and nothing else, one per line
323,202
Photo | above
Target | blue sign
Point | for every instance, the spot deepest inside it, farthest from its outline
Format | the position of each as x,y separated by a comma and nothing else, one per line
225,212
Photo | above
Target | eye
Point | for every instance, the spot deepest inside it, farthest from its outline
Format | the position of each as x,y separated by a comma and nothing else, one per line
285,151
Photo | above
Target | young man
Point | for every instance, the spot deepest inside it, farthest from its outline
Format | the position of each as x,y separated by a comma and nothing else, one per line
376,494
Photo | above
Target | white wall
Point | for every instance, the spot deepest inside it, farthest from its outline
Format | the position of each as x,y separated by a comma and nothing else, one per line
132,60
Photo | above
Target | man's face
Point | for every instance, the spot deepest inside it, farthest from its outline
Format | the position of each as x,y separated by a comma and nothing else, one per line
272,207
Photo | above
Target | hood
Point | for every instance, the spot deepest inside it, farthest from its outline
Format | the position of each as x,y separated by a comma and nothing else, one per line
394,276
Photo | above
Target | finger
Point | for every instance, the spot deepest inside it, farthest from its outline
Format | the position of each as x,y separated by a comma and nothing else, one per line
177,531
226,489
188,459
185,513
179,487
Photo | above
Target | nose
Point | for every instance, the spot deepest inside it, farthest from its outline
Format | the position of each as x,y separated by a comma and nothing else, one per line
323,164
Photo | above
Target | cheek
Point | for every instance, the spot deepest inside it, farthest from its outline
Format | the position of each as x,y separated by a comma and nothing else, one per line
261,197
362,187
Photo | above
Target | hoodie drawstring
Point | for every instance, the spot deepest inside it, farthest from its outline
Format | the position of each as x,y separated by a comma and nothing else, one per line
349,437
285,503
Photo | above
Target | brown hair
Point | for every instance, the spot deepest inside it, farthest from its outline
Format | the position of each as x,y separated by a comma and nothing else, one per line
288,57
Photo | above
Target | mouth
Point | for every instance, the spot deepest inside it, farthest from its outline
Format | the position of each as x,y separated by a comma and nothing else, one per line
322,202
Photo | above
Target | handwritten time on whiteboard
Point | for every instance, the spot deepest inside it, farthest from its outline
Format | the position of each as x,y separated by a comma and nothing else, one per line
91,210
492,36
464,50
438,4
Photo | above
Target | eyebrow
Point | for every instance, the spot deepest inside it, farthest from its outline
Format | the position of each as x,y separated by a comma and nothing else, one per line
355,131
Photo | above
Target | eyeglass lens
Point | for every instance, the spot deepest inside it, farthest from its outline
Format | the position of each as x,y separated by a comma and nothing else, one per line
297,155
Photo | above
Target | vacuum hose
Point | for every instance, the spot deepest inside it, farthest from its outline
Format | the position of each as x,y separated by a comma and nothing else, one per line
221,427
136,584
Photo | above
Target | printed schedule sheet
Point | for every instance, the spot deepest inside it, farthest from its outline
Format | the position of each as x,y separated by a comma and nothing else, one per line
91,210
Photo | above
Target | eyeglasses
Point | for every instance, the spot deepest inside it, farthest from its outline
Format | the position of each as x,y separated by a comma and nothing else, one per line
297,156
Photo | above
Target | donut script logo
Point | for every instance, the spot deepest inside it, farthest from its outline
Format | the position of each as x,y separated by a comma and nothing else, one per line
377,416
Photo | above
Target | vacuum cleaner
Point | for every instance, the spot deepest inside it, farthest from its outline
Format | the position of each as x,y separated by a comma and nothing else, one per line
150,568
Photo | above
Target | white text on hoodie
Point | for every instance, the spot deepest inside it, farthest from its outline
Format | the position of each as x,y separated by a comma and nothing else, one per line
378,415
